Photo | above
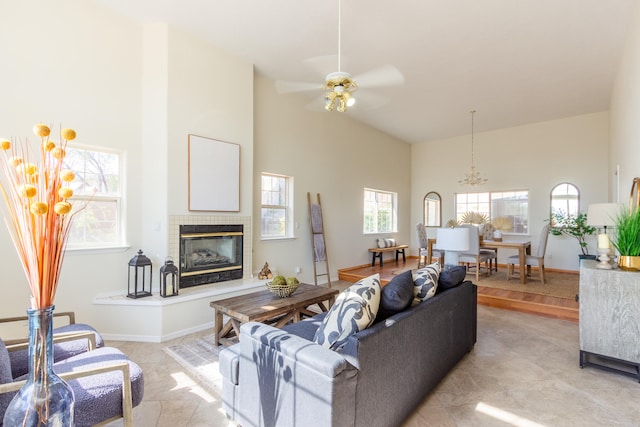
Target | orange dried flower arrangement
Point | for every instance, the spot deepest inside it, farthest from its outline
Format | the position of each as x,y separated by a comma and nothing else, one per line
38,212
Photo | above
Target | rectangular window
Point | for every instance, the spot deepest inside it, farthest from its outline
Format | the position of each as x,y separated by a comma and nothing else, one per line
380,211
277,206
98,180
513,205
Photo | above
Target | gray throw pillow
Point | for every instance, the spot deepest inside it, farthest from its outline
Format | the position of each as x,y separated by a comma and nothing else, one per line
452,277
396,295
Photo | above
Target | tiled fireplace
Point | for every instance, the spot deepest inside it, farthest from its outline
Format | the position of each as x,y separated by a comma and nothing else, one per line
226,256
210,253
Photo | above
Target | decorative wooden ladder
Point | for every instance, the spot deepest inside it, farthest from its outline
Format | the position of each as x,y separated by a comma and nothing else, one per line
318,246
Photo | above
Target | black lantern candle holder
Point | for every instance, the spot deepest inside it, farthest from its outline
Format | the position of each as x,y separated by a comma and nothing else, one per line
169,283
139,283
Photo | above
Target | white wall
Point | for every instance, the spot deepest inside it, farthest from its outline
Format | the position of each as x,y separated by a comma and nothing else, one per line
534,157
330,154
210,95
625,111
128,86
77,64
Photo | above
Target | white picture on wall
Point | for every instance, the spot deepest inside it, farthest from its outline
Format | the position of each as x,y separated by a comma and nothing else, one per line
214,175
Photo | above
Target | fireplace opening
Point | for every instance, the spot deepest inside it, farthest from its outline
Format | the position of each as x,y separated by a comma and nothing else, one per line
210,253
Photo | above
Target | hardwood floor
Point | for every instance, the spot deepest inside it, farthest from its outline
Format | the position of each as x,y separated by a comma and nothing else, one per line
541,305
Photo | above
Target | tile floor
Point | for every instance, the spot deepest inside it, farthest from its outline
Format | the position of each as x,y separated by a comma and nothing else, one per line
523,371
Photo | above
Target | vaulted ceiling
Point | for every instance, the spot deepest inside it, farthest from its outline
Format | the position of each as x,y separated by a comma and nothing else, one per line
514,61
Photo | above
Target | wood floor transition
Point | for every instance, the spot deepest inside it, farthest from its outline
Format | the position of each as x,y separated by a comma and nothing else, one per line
541,305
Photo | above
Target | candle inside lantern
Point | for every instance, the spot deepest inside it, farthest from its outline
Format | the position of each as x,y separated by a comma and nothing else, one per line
603,241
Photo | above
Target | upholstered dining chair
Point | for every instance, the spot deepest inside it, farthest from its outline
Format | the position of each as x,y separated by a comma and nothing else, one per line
487,234
423,250
71,338
474,256
105,383
532,260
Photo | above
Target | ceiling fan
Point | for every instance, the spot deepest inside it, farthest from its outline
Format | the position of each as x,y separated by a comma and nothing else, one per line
339,86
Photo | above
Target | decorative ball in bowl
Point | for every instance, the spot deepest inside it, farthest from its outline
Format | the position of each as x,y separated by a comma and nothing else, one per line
282,287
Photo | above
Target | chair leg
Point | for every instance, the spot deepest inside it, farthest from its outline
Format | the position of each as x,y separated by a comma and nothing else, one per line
509,271
541,268
477,271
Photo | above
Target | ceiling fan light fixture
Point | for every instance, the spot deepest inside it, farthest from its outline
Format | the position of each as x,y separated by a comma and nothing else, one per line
350,100
339,86
330,101
342,105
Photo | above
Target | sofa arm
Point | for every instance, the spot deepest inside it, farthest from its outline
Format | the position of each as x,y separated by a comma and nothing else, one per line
284,378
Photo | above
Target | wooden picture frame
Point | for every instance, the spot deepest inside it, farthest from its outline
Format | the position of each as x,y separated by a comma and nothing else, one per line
214,175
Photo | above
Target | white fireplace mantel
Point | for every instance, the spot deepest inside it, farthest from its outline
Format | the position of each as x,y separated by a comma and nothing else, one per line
157,319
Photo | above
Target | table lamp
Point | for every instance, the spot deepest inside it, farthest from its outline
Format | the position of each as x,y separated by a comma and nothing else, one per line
452,241
603,215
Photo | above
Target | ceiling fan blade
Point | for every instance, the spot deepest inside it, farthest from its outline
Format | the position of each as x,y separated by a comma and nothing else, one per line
366,100
283,87
387,75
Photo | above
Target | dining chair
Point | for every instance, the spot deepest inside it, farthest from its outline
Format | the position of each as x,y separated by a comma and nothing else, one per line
487,234
423,250
474,256
531,260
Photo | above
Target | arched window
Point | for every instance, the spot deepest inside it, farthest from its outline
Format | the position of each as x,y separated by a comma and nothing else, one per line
432,209
565,198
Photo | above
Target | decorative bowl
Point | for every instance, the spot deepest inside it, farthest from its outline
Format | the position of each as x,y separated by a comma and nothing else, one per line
284,290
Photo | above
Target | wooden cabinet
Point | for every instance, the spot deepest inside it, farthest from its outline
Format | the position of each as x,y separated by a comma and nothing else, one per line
610,319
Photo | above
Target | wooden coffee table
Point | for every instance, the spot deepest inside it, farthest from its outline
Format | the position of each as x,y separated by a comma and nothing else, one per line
263,306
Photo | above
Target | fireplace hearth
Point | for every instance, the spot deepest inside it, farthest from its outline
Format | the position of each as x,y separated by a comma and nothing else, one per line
210,254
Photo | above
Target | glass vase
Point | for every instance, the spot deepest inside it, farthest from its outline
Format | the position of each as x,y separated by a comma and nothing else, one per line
45,399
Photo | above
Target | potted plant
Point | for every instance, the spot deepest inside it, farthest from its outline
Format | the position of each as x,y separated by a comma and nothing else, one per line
575,226
501,224
627,239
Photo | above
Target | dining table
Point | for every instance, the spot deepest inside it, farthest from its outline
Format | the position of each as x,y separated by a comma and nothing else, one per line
523,246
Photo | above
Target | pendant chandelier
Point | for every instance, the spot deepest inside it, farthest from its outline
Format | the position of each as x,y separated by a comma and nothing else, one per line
472,179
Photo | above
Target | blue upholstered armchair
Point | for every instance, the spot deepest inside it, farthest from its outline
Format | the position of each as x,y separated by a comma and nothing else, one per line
71,339
106,384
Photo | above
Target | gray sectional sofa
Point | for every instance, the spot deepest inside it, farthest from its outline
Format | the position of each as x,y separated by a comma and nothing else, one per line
280,377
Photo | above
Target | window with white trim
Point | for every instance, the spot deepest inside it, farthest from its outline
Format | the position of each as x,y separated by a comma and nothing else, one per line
565,198
98,187
380,211
277,206
510,204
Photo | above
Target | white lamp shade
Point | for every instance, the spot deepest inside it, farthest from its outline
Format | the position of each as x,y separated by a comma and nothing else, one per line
453,239
603,214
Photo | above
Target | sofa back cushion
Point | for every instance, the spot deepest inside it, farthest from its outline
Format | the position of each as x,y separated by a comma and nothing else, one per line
396,295
355,309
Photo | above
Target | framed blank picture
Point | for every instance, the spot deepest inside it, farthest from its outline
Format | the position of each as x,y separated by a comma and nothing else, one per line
214,175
